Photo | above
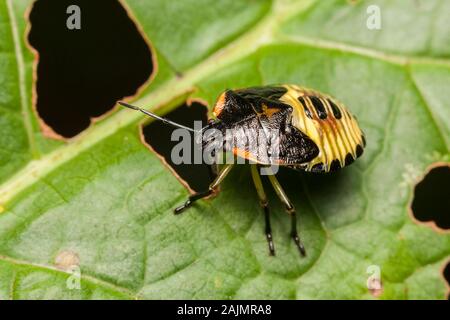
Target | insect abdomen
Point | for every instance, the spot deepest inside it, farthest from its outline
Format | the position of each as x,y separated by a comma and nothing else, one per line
329,124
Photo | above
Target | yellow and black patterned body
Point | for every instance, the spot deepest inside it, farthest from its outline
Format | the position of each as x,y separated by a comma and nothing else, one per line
315,132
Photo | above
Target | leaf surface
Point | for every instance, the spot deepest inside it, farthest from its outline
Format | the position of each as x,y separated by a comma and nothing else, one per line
107,200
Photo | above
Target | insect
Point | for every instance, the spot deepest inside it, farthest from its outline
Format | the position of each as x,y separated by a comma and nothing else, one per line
313,132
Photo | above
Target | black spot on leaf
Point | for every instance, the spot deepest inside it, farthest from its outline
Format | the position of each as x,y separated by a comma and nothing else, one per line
81,73
432,197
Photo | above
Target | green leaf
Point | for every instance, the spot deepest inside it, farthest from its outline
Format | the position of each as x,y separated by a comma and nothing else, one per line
104,201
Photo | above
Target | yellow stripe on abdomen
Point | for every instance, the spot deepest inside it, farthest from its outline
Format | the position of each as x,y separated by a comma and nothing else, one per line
328,123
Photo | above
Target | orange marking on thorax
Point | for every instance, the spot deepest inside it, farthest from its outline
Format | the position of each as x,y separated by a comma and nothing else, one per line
220,104
244,154
269,112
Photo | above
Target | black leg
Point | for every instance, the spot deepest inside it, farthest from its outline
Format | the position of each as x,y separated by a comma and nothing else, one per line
212,187
268,229
294,233
192,199
264,204
291,211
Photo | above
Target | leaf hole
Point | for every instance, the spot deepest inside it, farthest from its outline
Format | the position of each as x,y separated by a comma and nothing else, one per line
431,202
157,136
81,73
446,273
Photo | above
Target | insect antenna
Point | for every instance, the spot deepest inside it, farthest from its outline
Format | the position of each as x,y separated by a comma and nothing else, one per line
155,116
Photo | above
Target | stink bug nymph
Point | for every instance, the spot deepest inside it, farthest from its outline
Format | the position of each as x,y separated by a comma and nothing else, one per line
315,133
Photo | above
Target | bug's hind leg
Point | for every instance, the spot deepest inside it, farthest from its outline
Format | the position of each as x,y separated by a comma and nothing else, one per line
291,211
265,205
212,187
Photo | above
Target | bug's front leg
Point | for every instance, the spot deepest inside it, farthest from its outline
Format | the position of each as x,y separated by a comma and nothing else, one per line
211,189
291,211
